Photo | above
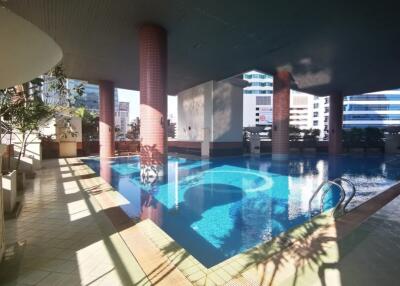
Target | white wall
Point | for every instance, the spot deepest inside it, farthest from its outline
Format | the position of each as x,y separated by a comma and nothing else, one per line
211,111
191,112
228,111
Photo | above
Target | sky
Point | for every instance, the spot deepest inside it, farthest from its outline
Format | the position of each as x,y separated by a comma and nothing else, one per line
132,96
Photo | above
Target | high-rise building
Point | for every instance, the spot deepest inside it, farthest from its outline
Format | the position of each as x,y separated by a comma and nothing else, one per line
319,112
376,109
122,117
257,103
300,105
257,99
90,98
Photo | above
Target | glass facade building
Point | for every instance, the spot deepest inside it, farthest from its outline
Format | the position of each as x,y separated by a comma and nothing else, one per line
377,109
91,96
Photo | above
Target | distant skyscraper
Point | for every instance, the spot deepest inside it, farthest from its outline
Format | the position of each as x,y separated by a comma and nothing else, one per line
122,117
257,102
90,99
320,115
257,99
375,109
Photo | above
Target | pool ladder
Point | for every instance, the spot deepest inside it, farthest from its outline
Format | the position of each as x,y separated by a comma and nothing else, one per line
339,206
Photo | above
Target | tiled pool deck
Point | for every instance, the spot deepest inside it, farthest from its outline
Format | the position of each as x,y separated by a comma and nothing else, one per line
72,231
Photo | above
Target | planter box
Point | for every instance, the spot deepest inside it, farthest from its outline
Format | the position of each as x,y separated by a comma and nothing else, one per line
68,149
7,157
373,150
9,182
310,150
2,229
294,150
27,164
392,143
21,178
356,150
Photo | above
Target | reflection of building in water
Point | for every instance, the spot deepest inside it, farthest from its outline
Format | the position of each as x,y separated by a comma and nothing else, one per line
173,185
302,184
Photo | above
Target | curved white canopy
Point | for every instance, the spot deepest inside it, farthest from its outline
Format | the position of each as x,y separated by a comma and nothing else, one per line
25,51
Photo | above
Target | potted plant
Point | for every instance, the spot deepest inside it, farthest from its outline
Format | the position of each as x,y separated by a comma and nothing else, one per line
26,109
24,112
90,128
9,184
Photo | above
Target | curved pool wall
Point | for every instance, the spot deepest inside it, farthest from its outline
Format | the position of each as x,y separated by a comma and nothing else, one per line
218,208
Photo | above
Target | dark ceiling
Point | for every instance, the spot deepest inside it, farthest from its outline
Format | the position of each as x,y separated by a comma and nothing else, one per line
347,46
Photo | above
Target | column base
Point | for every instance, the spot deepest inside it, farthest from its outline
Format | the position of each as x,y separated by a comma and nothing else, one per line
280,157
152,174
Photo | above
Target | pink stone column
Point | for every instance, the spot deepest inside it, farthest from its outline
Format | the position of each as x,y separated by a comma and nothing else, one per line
153,101
335,123
106,125
280,116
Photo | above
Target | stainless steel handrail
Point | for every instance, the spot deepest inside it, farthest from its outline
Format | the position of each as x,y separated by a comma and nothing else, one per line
342,196
338,204
315,194
353,192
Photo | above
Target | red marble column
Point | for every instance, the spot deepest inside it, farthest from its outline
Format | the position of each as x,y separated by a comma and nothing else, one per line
106,125
153,100
335,123
280,115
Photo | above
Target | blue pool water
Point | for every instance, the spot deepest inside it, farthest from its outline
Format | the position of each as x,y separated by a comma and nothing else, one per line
221,207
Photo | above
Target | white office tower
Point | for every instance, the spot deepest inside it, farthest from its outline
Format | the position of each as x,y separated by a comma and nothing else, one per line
257,103
300,109
122,118
320,115
257,99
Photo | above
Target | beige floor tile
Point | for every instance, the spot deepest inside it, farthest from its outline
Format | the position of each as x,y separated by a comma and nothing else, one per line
32,277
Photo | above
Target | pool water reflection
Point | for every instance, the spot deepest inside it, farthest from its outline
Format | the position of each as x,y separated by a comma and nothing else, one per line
218,208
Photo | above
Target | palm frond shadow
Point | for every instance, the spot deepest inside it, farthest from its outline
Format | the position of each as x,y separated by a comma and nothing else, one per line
298,249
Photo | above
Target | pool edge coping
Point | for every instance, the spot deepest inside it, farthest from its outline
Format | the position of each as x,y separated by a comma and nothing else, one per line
234,266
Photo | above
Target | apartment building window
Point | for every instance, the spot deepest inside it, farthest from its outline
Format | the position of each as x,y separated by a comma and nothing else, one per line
315,123
370,107
257,114
257,108
374,97
315,105
249,91
315,114
256,83
263,100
